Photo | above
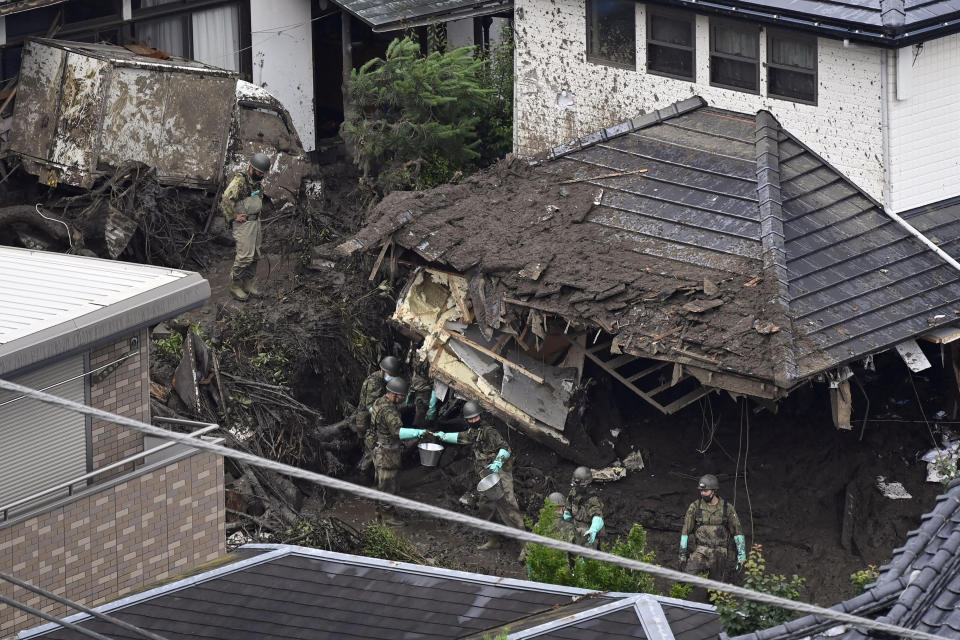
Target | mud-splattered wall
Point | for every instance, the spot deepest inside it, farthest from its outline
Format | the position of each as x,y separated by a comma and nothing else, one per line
560,96
283,59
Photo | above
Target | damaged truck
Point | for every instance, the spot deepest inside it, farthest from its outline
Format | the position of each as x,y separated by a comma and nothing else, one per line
84,110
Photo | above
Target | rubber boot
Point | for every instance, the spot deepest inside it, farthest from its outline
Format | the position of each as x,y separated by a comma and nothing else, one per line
250,286
237,291
491,543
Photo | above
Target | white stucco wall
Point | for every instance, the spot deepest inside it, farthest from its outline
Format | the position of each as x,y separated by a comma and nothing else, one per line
924,123
560,96
460,32
283,59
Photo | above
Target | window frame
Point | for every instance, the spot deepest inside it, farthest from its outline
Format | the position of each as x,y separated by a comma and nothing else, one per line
674,15
743,26
596,59
809,38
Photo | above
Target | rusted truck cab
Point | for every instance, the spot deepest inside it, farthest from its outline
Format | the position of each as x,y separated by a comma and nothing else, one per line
84,110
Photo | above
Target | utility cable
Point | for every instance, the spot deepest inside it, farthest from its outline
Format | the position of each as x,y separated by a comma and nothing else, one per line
476,523
46,616
79,607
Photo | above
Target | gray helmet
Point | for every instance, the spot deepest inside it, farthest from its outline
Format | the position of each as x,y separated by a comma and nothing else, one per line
260,162
398,385
709,482
556,498
582,476
471,410
391,365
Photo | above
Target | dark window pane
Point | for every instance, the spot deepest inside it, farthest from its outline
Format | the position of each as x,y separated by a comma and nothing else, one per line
733,73
671,30
35,21
736,42
793,52
676,62
611,30
90,9
792,84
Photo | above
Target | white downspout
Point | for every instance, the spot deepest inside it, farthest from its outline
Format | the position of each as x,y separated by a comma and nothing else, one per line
885,97
924,239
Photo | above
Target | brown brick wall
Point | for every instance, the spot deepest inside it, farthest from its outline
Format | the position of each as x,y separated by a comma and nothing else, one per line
115,541
126,392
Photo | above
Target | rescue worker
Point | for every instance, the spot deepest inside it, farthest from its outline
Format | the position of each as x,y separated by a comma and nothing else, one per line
584,509
389,431
241,204
563,529
711,521
422,398
490,455
372,388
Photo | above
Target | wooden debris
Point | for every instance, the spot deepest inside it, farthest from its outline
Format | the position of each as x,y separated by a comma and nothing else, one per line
701,306
753,283
496,356
376,265
608,175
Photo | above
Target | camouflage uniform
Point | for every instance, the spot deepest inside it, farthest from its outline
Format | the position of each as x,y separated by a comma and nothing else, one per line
485,443
372,388
583,504
419,396
244,195
712,526
385,425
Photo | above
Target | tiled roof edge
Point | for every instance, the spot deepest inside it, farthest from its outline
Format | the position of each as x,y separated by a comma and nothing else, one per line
640,122
871,600
947,504
769,203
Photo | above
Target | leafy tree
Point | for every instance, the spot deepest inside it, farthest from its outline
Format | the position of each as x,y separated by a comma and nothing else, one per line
414,110
745,616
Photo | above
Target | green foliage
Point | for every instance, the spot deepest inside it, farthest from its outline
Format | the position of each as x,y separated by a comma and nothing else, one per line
681,591
170,349
420,119
553,566
947,467
860,579
745,616
380,541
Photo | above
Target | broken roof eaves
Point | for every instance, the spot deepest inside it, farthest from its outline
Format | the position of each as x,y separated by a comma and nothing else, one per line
628,126
769,203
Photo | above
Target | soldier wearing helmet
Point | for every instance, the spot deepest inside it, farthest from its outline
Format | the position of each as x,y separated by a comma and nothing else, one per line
712,522
241,203
388,431
584,509
491,454
372,388
563,528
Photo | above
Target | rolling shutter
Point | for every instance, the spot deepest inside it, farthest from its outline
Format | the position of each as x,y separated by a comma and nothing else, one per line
42,445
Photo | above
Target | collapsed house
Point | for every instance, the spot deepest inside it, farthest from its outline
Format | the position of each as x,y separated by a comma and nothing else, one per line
686,251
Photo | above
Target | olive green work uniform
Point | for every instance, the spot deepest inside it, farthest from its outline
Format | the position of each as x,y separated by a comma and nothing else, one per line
244,195
583,504
712,528
485,443
385,425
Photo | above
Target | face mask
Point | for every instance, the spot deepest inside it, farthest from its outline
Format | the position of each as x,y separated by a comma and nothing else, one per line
387,378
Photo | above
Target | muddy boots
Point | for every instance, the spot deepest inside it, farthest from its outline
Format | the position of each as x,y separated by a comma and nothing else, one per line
237,290
250,286
493,542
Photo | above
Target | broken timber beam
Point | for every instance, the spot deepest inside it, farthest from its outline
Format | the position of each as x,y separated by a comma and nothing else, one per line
376,265
629,385
496,356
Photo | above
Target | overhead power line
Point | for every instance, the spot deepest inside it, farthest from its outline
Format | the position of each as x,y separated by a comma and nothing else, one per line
476,523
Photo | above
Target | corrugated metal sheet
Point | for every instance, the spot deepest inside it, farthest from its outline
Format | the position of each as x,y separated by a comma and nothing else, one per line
399,14
42,445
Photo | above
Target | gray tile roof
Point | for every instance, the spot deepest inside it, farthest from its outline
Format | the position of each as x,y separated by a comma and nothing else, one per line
295,592
725,196
886,22
402,14
919,588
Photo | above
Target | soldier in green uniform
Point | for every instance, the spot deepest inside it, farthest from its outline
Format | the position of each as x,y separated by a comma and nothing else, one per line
422,399
490,455
373,387
584,509
563,529
711,521
388,430
241,204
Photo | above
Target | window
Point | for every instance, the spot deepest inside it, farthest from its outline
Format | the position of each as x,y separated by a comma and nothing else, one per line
670,44
792,66
612,32
735,55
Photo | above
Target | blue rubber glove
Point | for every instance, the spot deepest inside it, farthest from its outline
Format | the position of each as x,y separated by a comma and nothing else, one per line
409,434
741,550
567,515
683,549
495,465
449,438
595,525
256,192
433,408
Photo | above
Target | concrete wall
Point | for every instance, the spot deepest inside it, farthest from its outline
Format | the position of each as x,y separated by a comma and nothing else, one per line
124,391
924,123
560,96
283,59
116,539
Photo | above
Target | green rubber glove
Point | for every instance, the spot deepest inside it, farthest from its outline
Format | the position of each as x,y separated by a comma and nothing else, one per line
449,438
741,550
567,515
433,408
502,456
595,525
409,434
683,549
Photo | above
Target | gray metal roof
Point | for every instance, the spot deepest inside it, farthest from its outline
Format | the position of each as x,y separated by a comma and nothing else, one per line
52,304
124,57
893,23
296,592
919,588
404,14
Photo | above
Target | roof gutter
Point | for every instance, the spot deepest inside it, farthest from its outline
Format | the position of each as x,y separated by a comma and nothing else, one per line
434,18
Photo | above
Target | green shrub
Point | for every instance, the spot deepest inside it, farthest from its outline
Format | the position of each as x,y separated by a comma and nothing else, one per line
860,579
170,349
